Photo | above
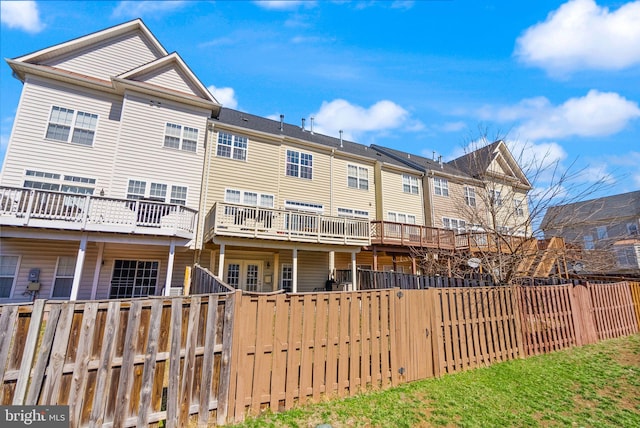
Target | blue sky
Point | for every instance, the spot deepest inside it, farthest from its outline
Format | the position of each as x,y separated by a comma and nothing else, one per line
558,78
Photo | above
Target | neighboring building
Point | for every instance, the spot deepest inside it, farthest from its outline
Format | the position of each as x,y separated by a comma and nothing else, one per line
604,225
100,187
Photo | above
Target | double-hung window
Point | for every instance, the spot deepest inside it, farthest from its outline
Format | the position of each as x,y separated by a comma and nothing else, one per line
299,164
70,125
519,209
409,184
495,197
181,137
64,277
358,177
401,217
441,186
8,271
231,146
470,196
602,232
234,196
161,192
455,224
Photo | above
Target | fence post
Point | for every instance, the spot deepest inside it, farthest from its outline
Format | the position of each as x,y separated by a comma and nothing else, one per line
29,352
436,330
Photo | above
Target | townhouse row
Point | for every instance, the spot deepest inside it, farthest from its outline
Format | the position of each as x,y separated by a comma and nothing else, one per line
122,171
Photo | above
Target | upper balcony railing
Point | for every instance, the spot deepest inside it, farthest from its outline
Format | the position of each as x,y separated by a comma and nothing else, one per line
266,223
39,208
411,235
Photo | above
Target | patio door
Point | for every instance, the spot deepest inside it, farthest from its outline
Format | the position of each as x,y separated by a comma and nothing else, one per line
244,274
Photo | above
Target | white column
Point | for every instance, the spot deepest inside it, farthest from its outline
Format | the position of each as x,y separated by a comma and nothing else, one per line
354,272
172,255
97,270
332,262
221,262
276,271
79,265
294,286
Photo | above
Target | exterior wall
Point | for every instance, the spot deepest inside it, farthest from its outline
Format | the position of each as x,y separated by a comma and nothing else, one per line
43,254
109,58
344,196
30,150
169,77
317,190
394,199
142,138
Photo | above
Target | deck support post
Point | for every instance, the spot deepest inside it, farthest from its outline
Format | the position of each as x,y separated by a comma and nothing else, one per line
77,274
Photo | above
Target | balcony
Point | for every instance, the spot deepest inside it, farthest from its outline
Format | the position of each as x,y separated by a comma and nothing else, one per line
57,210
252,222
411,235
490,242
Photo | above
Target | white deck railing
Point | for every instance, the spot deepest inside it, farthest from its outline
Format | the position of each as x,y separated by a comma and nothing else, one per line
244,221
40,208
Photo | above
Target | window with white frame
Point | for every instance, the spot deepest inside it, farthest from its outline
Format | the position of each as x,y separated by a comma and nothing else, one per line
235,196
8,273
64,277
626,257
349,212
441,186
299,164
358,177
304,206
181,137
133,278
44,180
602,232
231,146
470,196
454,224
409,184
397,217
495,197
588,242
161,192
286,277
70,125
518,207
632,228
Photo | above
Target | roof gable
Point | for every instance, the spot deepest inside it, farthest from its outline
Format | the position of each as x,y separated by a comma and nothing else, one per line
103,54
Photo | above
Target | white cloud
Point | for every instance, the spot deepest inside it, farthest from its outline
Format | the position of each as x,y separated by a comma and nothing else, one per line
538,156
594,174
452,126
354,120
580,34
23,15
595,114
225,96
283,4
140,8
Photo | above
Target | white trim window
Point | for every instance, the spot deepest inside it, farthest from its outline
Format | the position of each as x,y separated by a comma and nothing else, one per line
602,232
441,186
304,206
350,212
470,196
409,184
299,164
397,217
588,242
235,196
495,197
180,137
8,273
138,189
134,278
71,126
286,277
357,177
456,224
632,229
231,146
518,207
44,180
63,279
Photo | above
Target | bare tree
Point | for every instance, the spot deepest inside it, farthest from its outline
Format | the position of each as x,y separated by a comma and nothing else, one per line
507,191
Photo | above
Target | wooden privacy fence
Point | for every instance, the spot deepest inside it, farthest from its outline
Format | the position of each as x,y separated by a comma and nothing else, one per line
219,358
120,363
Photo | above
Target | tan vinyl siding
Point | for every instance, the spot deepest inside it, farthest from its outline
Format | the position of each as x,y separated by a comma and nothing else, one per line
171,78
394,199
109,58
348,197
39,95
454,205
141,154
317,190
313,268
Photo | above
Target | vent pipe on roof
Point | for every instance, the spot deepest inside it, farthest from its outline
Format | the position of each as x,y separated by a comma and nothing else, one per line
341,138
434,155
302,124
408,155
440,161
281,122
311,124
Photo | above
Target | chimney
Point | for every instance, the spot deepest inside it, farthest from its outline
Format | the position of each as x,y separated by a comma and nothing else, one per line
311,123
302,125
341,139
281,122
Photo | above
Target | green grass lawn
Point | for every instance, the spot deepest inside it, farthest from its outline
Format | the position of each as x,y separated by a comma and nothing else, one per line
592,386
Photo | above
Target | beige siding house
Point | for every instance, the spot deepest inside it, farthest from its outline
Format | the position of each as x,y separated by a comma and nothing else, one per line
101,183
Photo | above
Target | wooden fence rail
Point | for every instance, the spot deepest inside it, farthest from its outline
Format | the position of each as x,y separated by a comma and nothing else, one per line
209,359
